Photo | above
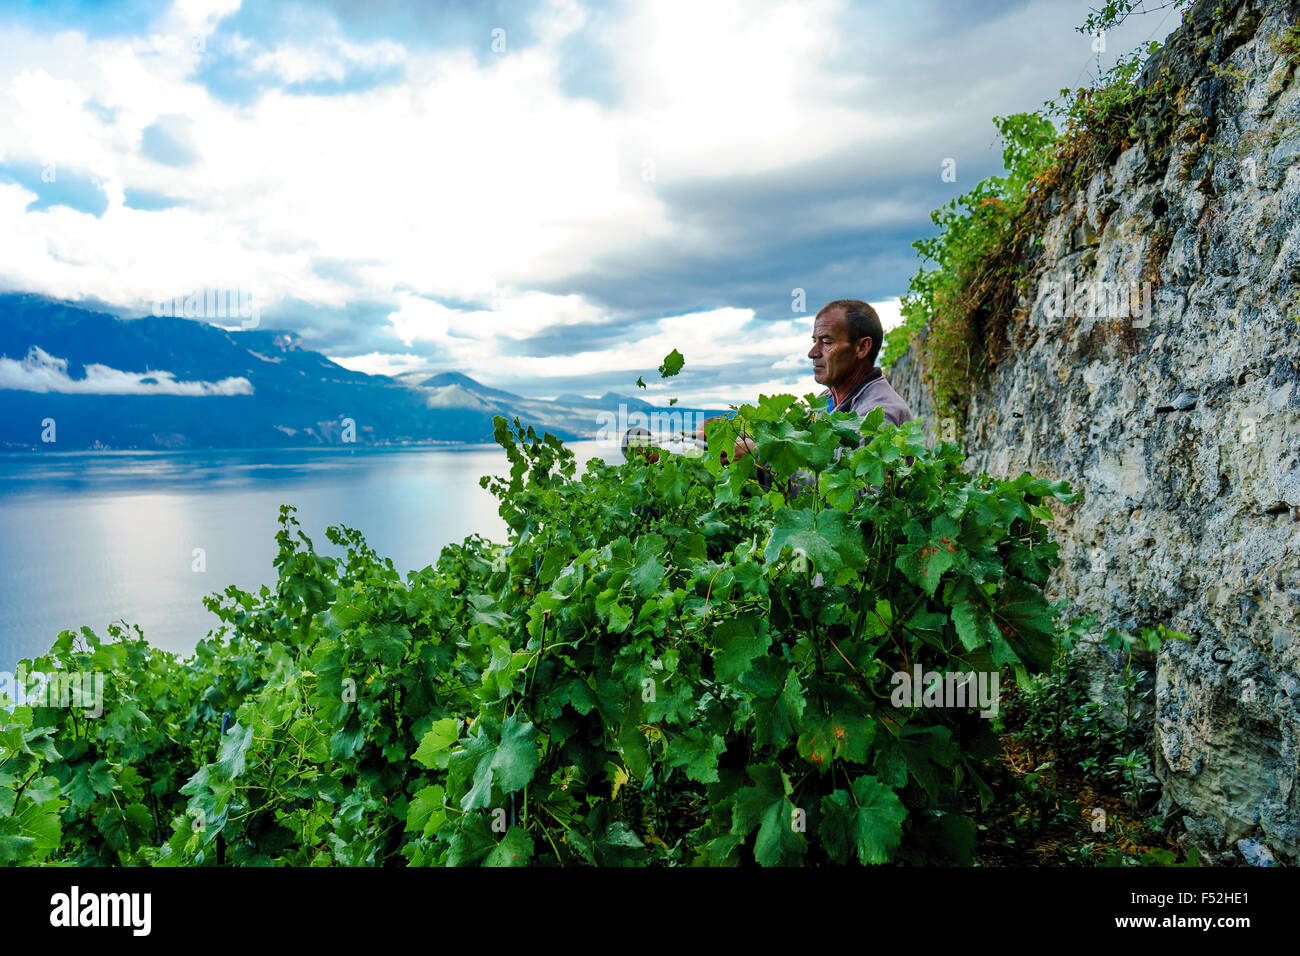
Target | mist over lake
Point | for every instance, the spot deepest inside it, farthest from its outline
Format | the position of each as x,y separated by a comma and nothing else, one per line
93,538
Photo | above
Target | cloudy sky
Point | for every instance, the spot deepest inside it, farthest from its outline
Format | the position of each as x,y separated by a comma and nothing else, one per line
548,196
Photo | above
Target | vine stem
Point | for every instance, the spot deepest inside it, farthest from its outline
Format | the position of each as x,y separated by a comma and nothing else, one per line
845,659
532,675
547,833
817,647
19,792
708,593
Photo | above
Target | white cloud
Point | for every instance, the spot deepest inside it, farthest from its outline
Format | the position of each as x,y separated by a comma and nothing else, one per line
42,372
725,89
558,19
327,60
198,17
381,363
512,316
461,175
890,312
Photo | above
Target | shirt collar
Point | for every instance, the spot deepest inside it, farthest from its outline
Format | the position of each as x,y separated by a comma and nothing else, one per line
875,373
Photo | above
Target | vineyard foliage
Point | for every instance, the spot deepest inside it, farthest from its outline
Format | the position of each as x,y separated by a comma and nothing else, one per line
668,662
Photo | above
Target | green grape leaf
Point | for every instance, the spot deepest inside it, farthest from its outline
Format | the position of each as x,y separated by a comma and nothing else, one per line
767,806
695,752
230,763
673,363
343,744
90,781
16,846
1025,619
778,700
948,836
43,790
388,642
970,616
515,849
471,842
828,539
31,834
788,449
840,737
575,692
926,556
433,748
738,641
868,823
929,752
508,766
619,845
425,813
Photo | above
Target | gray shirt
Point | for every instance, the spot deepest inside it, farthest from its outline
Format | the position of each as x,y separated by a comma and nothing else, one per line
875,393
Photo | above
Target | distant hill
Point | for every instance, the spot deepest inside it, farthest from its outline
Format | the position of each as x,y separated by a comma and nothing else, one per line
459,380
608,400
163,382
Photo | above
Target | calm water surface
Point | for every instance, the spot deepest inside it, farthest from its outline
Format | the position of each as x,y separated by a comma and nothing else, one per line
88,539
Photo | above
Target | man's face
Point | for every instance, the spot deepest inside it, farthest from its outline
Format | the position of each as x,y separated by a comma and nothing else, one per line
835,359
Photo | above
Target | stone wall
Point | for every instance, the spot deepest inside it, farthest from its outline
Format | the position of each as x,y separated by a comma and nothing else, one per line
1181,425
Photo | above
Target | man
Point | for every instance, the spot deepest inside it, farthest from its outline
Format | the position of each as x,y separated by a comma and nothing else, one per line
847,336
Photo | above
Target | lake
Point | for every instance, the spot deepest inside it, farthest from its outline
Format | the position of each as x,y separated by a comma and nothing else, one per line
96,537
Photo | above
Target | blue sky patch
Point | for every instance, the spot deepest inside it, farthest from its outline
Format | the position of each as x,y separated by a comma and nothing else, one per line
57,186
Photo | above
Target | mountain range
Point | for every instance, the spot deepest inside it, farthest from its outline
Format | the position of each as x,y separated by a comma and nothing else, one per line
72,378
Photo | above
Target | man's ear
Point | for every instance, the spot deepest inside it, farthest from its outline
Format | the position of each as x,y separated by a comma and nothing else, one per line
862,352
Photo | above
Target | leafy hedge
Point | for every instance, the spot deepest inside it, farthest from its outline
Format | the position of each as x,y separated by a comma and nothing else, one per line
970,291
667,664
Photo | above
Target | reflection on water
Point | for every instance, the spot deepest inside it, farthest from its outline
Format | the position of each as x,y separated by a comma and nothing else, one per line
91,538
112,471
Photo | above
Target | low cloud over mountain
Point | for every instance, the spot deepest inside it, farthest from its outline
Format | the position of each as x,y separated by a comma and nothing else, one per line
42,372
